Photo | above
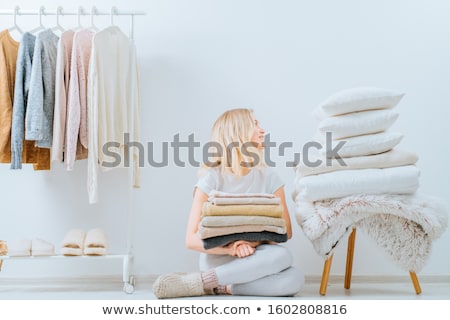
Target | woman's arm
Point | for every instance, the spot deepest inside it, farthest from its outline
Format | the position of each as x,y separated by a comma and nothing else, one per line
193,242
280,193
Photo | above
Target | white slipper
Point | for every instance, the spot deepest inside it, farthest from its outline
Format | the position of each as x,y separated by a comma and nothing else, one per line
73,243
96,243
41,247
19,248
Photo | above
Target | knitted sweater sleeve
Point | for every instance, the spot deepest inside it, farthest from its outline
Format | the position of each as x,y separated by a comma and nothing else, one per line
73,109
59,116
135,107
35,107
93,156
17,128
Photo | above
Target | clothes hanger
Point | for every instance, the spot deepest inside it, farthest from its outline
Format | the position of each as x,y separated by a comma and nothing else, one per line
93,27
58,26
80,13
113,12
41,26
16,27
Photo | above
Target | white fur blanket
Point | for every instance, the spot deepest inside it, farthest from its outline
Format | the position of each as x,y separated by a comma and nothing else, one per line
403,225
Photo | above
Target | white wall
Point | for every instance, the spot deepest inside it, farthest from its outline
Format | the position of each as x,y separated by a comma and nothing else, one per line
198,58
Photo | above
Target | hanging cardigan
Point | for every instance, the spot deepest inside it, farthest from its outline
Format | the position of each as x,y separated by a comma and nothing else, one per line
76,124
25,151
112,103
41,99
63,56
60,117
8,56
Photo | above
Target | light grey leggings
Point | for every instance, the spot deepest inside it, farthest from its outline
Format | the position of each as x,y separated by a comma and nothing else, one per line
268,272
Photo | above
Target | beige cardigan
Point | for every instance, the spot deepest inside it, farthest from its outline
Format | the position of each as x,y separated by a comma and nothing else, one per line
8,56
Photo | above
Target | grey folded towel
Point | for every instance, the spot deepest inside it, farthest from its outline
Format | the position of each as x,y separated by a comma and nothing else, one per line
220,241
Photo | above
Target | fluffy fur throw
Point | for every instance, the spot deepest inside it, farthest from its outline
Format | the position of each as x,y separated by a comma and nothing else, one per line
403,225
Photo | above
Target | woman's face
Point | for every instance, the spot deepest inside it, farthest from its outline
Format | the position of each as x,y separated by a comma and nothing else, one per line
258,134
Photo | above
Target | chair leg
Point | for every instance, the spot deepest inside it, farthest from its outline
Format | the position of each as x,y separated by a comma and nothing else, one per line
349,265
415,282
325,275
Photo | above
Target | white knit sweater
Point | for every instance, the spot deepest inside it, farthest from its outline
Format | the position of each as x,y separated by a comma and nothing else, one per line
113,103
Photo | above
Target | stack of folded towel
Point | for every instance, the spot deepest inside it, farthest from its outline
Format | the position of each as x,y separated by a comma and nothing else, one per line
374,186
228,217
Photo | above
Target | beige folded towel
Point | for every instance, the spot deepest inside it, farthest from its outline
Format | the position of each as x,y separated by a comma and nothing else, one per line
41,247
19,248
73,243
270,210
96,243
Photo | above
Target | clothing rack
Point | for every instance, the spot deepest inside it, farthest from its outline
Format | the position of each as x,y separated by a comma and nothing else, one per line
81,12
127,258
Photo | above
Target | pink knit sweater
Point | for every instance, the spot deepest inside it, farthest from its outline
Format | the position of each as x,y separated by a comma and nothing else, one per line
76,122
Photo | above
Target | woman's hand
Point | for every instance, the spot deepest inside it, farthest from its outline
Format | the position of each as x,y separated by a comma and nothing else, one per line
243,248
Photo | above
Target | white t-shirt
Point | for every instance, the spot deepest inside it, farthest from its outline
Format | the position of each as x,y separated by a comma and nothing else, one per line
258,180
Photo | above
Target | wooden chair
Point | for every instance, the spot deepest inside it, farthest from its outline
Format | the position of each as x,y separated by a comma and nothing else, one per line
348,269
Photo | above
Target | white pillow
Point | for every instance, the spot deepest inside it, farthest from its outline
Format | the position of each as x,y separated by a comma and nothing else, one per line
358,99
397,180
392,158
358,123
367,144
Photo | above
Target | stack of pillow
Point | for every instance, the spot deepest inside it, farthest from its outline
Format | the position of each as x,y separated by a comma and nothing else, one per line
228,217
356,124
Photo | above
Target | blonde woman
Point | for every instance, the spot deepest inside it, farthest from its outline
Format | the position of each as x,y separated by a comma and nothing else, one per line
250,268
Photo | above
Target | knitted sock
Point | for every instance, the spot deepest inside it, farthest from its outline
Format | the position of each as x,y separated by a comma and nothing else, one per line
179,284
209,279
220,290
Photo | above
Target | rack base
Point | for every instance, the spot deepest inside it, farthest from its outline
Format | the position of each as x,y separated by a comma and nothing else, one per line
128,279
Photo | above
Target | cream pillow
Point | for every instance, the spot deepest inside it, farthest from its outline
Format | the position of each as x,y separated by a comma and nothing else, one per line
358,123
367,144
358,99
396,180
391,158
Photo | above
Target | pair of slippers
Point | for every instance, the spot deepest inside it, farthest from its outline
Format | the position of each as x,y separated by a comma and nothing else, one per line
91,243
26,247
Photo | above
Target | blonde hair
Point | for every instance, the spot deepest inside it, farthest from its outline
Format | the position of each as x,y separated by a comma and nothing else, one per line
231,138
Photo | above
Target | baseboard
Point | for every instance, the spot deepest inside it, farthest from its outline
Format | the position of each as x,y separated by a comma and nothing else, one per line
115,281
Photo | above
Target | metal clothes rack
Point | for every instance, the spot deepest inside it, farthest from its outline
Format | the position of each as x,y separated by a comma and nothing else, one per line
81,12
128,278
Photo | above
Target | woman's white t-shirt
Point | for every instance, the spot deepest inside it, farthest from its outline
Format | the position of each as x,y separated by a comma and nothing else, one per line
258,180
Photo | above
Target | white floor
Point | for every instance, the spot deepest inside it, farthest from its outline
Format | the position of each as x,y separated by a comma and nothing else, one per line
112,289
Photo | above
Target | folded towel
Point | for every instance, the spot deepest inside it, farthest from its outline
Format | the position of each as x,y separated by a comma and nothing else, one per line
19,248
73,243
41,247
224,221
209,232
96,243
217,194
271,210
223,201
248,236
